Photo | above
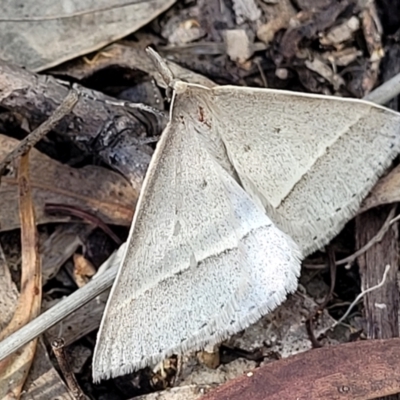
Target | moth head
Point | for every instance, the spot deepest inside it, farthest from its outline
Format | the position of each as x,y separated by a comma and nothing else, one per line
179,86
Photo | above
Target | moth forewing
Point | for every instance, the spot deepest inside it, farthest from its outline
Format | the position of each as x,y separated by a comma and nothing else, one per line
198,249
310,159
203,260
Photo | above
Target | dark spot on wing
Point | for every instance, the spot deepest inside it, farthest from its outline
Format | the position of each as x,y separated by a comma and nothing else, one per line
177,228
201,114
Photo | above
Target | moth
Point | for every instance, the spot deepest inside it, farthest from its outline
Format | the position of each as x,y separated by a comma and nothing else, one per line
243,184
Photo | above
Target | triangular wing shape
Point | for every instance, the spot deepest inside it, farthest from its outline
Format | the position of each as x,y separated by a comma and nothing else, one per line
264,291
194,242
310,159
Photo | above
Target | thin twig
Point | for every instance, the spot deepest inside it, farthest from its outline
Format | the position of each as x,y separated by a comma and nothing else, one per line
89,94
60,311
376,239
85,216
65,366
361,295
385,92
42,130
261,71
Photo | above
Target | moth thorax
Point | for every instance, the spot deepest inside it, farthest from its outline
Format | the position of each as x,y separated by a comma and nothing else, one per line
179,86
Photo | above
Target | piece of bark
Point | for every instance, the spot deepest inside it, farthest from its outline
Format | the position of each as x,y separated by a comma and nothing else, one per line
15,369
381,306
94,189
42,378
78,324
372,31
353,371
108,131
278,16
317,22
238,45
246,11
60,246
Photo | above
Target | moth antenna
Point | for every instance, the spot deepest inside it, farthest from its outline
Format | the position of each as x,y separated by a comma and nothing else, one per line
161,66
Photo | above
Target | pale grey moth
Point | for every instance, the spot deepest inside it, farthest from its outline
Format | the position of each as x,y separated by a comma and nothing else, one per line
239,176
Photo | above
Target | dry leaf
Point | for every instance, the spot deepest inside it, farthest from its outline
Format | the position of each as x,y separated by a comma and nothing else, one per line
83,270
278,16
93,189
60,246
341,33
14,369
43,378
349,371
39,35
386,191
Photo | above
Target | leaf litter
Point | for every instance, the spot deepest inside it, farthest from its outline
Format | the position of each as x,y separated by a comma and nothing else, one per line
302,46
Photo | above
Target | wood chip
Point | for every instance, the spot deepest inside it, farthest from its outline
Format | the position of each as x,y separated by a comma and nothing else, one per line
353,371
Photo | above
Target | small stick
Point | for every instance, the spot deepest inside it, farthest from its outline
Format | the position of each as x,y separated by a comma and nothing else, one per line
361,295
85,216
84,92
385,92
55,314
42,130
65,366
376,239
